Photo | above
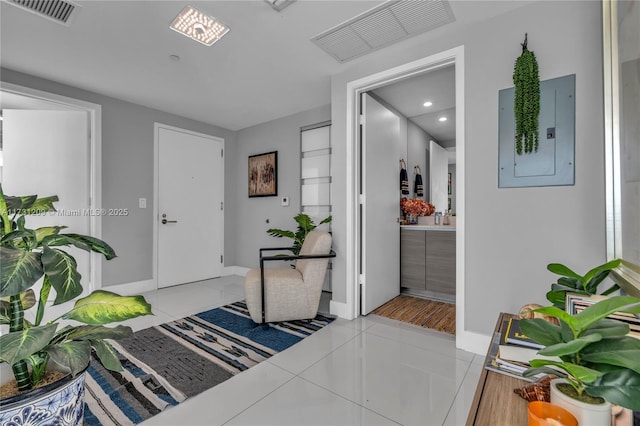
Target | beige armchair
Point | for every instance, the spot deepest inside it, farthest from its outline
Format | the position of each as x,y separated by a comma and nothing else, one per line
289,293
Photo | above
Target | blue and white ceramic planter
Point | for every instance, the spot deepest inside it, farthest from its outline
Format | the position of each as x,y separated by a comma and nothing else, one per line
56,404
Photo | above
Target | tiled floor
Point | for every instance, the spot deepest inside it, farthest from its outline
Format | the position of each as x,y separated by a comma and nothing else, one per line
370,371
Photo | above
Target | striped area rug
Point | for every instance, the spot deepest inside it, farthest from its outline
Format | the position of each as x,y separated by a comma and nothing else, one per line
426,313
166,364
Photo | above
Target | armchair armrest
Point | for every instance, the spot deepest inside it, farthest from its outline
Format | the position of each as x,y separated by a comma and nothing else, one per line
298,256
275,249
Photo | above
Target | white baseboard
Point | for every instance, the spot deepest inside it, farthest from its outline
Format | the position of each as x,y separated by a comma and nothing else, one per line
473,342
340,310
235,270
128,289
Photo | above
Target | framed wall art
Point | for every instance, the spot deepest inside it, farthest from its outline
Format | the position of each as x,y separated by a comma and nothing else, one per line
263,175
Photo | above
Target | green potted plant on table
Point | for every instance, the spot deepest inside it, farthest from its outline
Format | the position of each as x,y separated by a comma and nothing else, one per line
572,282
600,362
34,350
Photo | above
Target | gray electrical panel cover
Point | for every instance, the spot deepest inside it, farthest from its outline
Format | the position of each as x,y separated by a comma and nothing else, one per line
553,163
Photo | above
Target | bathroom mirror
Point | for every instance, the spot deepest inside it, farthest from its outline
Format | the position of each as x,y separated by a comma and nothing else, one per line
621,55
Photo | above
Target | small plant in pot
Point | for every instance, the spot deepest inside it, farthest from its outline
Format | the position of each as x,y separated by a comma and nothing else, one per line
31,349
600,362
572,282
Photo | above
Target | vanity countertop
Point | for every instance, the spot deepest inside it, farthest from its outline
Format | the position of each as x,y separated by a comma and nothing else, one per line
429,227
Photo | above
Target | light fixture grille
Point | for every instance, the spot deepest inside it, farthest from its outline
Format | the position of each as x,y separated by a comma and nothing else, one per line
60,11
382,26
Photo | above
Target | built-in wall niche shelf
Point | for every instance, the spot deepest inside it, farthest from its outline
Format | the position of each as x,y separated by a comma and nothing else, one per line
553,164
315,177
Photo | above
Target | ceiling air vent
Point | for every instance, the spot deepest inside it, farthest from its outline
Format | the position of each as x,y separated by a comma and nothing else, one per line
382,26
59,11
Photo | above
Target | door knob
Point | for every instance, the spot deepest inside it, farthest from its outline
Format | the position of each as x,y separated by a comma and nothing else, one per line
165,221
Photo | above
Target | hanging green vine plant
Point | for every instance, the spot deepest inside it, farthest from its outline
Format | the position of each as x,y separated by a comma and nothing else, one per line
526,101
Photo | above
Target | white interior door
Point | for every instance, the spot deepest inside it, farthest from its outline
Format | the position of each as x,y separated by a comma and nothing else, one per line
47,153
190,196
381,150
439,176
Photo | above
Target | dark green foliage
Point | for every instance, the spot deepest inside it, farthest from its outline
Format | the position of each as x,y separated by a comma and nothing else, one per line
26,255
572,282
597,356
305,225
526,104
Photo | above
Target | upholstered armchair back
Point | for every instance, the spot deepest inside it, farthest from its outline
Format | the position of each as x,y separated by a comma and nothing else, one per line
313,270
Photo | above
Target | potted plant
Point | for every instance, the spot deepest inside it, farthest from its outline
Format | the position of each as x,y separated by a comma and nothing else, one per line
305,225
33,350
572,282
600,362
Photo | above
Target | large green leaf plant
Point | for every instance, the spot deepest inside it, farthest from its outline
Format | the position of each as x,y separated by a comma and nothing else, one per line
305,225
597,355
29,256
572,282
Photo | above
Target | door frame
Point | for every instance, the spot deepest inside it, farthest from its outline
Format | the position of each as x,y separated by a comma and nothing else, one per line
454,56
156,190
94,114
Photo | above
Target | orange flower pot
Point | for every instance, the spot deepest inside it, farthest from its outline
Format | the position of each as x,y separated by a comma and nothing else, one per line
546,414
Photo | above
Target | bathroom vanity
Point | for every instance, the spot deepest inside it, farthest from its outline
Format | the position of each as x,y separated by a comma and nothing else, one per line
428,260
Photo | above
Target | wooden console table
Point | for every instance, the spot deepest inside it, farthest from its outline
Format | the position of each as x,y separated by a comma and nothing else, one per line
495,403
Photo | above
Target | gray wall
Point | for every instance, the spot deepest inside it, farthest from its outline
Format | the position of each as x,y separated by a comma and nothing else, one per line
251,214
511,234
127,174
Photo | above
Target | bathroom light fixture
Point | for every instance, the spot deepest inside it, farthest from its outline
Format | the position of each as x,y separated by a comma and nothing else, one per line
279,4
199,26
427,104
442,119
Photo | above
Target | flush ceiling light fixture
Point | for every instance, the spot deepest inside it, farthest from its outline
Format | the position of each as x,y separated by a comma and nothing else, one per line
442,119
427,104
279,4
199,26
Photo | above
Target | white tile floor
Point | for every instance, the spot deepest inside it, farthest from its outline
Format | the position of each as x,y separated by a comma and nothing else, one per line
370,371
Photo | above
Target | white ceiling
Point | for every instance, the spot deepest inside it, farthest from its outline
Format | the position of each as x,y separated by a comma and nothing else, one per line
409,95
266,67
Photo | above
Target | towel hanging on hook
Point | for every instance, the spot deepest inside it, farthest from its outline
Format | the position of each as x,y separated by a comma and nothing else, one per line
418,186
404,178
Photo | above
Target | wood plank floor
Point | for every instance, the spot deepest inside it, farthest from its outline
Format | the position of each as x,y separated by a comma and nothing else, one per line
425,313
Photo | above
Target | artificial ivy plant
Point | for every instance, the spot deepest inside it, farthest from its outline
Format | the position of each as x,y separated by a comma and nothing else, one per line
526,103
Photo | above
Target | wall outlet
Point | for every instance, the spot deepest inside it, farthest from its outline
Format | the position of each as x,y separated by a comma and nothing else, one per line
142,203
284,201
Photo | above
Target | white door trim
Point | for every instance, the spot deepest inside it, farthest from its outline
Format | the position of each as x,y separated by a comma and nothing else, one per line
156,177
95,145
354,88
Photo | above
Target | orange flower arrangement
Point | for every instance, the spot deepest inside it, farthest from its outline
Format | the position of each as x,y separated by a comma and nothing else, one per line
417,207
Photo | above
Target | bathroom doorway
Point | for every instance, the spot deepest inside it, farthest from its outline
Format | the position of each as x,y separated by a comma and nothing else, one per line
452,58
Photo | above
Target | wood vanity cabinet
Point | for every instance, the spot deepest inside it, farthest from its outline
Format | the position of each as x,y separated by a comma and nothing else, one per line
412,259
428,260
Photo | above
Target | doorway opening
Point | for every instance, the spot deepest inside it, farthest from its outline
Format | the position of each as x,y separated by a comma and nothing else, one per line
32,112
362,240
